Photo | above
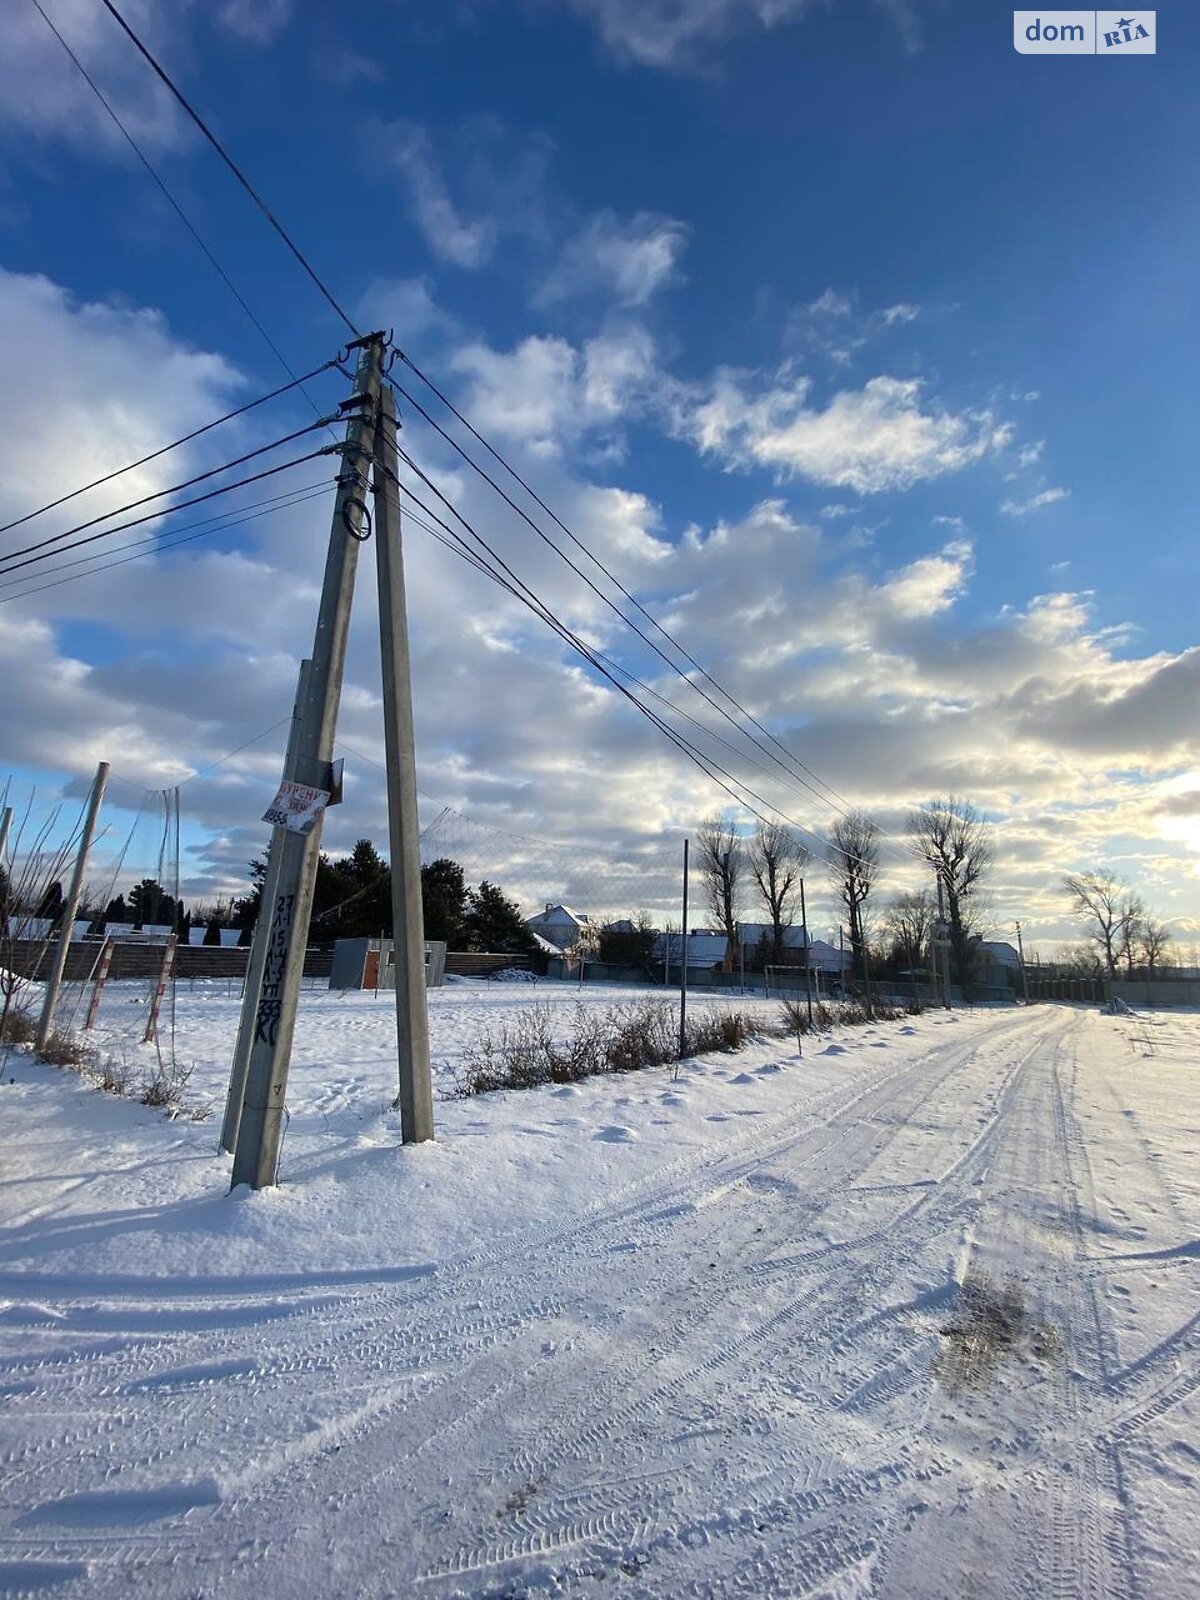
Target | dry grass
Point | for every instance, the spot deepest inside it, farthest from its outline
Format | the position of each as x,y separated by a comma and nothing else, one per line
526,1053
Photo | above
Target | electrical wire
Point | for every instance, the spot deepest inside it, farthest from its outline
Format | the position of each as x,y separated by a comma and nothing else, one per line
156,544
159,494
163,76
177,208
711,768
167,511
611,576
142,461
793,777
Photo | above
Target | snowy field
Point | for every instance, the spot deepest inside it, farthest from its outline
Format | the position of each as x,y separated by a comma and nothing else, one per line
912,1315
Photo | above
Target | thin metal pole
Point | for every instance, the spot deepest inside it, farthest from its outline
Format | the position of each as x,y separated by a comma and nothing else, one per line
807,957
683,959
256,1157
70,909
252,982
414,1100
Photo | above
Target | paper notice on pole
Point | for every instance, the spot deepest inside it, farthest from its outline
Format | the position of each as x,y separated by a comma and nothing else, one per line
296,807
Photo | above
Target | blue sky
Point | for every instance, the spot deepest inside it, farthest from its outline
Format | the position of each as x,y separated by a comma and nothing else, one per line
928,301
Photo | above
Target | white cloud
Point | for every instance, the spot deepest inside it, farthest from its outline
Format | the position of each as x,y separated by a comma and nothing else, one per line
546,391
1035,502
258,21
673,33
481,185
869,667
882,436
625,258
43,95
463,241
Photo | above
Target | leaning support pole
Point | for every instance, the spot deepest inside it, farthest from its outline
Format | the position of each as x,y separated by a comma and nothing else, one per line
99,979
70,910
160,988
256,1156
6,817
415,1098
258,947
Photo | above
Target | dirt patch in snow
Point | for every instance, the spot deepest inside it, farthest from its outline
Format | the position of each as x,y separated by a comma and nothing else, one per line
990,1324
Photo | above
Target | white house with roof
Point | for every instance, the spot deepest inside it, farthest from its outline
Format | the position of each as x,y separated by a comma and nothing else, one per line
559,925
822,956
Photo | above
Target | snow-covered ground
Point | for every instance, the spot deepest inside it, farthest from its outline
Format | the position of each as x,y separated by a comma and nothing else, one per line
910,1315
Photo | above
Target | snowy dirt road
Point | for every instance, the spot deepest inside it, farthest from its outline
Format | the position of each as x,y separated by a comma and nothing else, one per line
914,1318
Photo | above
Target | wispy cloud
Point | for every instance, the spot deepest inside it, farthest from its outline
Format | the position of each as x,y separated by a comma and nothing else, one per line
1035,502
626,259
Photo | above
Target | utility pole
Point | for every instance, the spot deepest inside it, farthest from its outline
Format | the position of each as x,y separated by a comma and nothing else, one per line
1021,957
683,959
59,962
944,946
6,817
741,957
258,944
415,1098
256,1155
807,957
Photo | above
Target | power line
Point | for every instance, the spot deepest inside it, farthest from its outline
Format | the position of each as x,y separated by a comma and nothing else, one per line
633,600
161,73
163,450
168,511
707,765
154,545
158,494
175,205
607,600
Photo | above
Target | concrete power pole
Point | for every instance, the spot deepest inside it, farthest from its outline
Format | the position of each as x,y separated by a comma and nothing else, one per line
415,1097
1021,958
70,909
807,957
683,959
256,1156
943,944
258,944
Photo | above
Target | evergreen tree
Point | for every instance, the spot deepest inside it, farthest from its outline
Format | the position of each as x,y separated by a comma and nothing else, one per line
52,902
444,901
494,922
116,910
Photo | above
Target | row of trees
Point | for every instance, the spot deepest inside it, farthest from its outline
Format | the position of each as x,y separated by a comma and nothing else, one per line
1121,934
768,869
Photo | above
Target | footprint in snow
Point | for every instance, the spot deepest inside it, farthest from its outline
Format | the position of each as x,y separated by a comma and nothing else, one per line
833,1050
742,1077
617,1133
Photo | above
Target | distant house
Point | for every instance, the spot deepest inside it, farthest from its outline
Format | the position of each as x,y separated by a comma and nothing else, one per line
822,956
704,949
558,925
996,963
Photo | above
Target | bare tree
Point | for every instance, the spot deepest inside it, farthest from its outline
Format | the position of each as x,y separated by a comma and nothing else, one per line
1109,908
721,857
956,842
908,922
1153,938
1132,921
853,862
777,862
33,866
